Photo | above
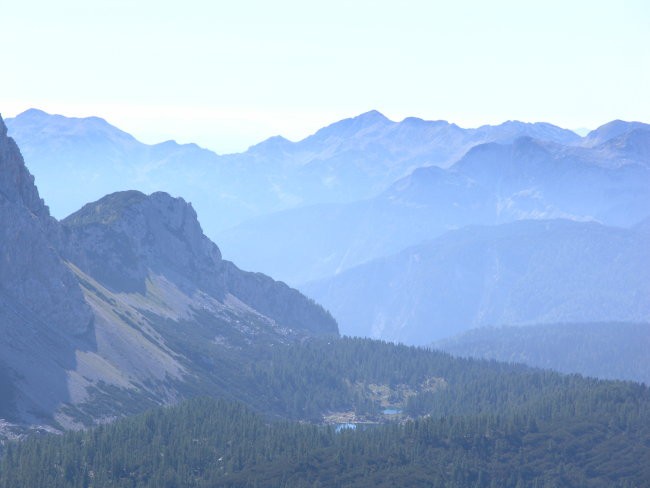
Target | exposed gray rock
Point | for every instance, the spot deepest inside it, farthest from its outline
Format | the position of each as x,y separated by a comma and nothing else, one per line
124,238
123,306
32,275
16,182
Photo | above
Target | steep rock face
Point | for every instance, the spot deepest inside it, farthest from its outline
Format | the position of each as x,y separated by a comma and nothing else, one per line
127,237
32,276
122,237
124,306
16,183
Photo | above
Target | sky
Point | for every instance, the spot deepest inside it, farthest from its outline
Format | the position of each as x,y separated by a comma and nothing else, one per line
227,75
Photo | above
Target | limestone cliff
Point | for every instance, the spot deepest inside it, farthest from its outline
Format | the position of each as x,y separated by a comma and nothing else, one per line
124,305
33,279
125,238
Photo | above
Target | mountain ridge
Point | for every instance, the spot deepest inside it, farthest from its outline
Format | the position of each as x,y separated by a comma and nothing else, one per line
117,307
519,273
348,160
602,350
493,183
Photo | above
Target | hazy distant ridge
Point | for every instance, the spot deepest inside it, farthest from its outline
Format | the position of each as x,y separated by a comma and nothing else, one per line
348,160
527,272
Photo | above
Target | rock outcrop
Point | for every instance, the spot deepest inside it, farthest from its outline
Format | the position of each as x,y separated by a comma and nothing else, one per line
125,238
33,278
124,305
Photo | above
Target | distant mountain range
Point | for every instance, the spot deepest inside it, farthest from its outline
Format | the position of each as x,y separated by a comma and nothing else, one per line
365,189
124,304
81,160
526,272
492,183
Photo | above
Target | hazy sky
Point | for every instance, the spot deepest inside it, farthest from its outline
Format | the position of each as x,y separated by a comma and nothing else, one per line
229,74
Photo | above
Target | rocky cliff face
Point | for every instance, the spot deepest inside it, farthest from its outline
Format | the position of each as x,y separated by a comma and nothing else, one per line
124,305
124,236
127,238
33,279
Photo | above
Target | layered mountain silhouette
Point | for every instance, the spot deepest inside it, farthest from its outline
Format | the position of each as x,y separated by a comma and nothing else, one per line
114,308
492,183
81,160
526,272
362,190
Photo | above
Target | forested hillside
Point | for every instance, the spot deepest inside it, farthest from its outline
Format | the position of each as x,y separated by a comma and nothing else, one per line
609,350
588,435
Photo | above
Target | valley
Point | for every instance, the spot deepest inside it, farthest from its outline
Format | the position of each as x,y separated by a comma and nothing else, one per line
124,317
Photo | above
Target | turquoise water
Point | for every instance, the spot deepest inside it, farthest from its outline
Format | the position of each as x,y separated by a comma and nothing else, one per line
391,411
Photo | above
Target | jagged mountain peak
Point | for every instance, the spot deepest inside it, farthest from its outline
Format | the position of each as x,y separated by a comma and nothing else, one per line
519,123
127,209
127,240
351,126
33,281
273,144
16,182
123,205
133,234
372,116
35,114
122,295
418,122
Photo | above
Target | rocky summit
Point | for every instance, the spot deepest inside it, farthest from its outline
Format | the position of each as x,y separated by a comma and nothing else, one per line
113,309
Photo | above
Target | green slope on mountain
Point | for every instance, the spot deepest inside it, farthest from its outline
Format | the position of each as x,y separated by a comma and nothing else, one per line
610,350
580,433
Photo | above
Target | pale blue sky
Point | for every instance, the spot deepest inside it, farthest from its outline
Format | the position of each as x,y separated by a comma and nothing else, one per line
227,75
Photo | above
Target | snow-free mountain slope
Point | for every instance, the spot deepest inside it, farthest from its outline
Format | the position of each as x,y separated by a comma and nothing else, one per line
527,272
613,350
81,160
124,305
77,160
611,130
126,239
492,183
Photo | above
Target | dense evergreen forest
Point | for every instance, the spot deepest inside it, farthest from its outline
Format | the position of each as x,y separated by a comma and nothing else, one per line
463,423
604,442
